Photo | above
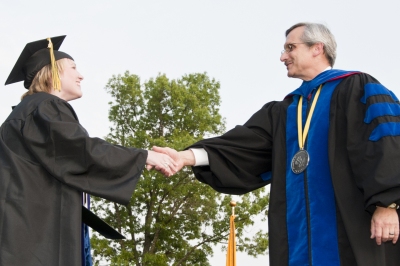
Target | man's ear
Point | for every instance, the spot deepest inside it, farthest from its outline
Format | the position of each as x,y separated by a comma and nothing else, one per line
318,49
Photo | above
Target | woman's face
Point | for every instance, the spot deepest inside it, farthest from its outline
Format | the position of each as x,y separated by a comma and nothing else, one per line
70,81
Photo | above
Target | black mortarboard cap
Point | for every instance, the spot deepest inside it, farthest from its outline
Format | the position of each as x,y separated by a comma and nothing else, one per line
33,58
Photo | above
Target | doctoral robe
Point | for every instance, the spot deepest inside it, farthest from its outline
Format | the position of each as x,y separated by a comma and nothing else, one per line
47,160
321,216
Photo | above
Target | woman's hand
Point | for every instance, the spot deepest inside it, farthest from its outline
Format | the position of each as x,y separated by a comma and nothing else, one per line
161,162
181,159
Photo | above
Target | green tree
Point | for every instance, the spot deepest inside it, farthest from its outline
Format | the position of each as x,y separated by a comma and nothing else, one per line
176,220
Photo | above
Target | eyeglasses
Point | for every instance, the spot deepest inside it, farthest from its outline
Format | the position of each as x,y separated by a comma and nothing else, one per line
290,47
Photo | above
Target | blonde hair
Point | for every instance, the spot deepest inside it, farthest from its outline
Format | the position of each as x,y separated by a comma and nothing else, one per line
42,81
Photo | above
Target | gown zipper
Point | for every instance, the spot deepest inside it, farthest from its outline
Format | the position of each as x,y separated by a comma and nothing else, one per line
307,198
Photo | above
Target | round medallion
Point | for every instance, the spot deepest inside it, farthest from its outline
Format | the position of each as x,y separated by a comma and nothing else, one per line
300,161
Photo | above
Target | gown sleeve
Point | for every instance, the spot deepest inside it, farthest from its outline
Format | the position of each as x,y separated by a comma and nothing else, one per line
239,157
373,139
62,146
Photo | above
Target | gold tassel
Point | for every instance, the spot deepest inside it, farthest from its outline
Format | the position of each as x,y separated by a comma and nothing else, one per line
54,69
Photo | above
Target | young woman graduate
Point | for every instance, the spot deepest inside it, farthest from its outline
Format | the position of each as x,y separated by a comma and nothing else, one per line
47,160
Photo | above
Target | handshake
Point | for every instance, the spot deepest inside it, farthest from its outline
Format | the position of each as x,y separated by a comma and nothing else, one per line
168,161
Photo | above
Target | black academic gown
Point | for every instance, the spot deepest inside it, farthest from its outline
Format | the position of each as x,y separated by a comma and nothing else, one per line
323,215
47,160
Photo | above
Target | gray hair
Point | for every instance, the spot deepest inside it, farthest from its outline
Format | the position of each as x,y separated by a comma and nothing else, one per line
318,33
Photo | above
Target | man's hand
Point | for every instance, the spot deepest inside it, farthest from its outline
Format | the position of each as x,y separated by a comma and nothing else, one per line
162,162
385,225
181,158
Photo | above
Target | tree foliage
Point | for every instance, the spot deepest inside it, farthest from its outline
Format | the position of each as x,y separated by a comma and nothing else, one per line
176,220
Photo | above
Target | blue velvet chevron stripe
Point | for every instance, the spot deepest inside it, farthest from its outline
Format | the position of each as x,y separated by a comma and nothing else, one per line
394,96
385,129
311,218
373,89
381,109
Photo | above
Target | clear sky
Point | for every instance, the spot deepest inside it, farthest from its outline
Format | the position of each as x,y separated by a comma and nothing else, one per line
236,42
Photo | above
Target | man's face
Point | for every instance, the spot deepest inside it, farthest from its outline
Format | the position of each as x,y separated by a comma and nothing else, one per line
297,56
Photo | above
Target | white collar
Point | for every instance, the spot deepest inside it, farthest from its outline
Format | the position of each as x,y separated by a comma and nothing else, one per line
328,68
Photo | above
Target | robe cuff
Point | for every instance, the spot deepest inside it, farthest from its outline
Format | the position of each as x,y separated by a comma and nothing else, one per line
200,157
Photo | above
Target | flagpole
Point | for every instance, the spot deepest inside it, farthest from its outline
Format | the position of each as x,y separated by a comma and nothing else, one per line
233,205
231,252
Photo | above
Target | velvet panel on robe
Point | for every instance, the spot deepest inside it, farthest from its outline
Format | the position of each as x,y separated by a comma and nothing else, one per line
47,160
363,150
